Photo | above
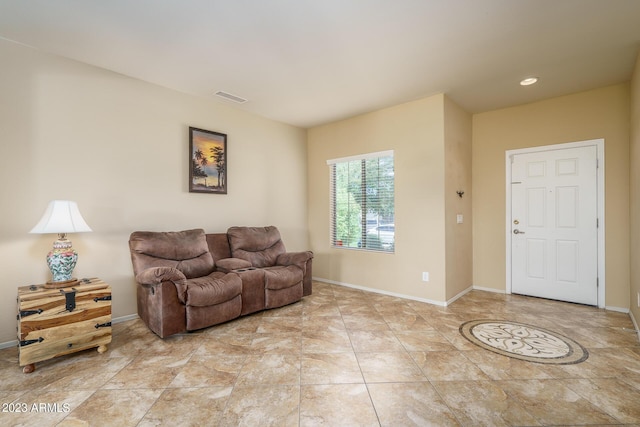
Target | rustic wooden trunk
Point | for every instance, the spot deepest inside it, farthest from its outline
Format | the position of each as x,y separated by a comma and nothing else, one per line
54,322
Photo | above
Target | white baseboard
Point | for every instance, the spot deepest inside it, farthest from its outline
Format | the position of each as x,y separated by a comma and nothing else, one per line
460,295
113,322
494,290
618,309
124,318
378,291
635,324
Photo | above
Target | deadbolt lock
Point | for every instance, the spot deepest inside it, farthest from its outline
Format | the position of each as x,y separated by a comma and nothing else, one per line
516,222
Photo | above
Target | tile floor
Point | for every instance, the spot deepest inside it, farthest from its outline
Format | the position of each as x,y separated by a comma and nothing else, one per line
341,357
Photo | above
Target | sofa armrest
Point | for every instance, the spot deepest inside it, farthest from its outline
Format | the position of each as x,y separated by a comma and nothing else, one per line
225,265
304,261
156,275
295,258
161,309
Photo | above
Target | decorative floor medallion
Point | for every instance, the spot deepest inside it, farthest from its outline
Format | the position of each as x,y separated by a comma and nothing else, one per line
524,342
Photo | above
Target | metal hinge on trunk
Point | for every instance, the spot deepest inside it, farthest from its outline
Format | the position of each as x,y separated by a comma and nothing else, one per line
27,342
25,313
70,299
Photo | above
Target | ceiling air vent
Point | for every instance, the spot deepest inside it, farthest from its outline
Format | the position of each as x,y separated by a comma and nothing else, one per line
230,97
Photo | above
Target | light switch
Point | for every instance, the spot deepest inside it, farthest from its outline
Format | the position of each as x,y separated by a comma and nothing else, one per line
459,219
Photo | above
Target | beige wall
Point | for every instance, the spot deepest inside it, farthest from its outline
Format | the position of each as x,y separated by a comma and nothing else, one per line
427,153
119,147
457,137
635,190
601,113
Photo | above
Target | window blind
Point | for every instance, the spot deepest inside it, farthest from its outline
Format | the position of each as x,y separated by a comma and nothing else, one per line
362,202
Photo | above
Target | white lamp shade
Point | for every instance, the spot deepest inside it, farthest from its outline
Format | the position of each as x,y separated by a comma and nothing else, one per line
61,216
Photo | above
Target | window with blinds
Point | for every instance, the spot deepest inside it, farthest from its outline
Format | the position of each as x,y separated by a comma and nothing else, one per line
362,202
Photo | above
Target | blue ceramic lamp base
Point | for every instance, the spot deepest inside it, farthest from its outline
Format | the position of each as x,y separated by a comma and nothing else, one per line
61,261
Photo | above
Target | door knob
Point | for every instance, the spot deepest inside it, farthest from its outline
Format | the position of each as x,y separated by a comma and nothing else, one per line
516,231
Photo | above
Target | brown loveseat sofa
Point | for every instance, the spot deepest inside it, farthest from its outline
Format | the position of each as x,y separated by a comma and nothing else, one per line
189,280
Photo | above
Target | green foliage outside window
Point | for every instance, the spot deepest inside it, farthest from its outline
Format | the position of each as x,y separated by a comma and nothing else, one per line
363,204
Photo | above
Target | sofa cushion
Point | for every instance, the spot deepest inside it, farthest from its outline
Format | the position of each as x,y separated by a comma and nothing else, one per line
281,277
258,245
218,246
228,264
186,251
213,289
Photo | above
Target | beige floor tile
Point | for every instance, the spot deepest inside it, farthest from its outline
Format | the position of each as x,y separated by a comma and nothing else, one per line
407,322
188,407
306,364
410,404
553,403
447,366
291,310
226,343
87,373
285,342
12,378
319,341
275,325
147,372
357,307
456,339
374,341
276,406
336,405
41,408
613,396
633,380
365,322
132,342
113,408
175,346
398,308
445,320
613,337
207,371
330,368
389,367
270,369
483,403
604,363
323,323
241,326
322,309
424,341
498,367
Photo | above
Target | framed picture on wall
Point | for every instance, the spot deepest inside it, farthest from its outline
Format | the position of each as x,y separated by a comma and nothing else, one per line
207,161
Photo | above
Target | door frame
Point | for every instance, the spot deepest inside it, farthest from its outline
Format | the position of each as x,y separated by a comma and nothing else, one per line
600,197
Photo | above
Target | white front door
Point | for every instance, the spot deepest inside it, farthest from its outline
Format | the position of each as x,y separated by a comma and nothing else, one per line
554,235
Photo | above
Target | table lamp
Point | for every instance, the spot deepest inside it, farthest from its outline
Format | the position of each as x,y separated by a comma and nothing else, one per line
62,217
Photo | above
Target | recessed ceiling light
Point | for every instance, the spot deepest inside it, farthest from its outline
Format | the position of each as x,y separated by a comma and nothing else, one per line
528,81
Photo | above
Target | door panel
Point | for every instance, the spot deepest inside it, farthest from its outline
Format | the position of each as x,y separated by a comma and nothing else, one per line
554,216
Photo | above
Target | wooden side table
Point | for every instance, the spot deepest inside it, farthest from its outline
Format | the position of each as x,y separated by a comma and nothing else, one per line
54,322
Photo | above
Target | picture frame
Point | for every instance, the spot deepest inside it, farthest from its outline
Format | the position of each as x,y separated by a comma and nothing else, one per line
207,161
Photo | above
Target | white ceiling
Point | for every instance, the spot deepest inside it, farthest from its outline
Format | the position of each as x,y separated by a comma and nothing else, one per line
308,62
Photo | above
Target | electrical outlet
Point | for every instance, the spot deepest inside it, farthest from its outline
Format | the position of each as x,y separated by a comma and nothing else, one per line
638,299
425,276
